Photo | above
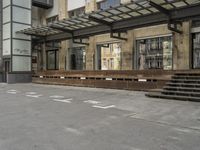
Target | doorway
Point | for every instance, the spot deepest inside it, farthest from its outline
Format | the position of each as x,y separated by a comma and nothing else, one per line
6,70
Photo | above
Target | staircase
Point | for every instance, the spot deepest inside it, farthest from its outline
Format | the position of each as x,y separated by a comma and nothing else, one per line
182,86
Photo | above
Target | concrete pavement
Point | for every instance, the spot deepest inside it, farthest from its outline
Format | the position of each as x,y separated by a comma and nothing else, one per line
46,117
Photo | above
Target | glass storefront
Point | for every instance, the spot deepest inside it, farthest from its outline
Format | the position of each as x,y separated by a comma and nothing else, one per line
109,56
196,51
77,58
154,53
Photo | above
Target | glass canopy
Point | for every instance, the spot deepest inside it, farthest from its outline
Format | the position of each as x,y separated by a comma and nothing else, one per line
131,10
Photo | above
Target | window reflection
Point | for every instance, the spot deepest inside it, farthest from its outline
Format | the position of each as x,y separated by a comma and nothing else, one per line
154,53
196,50
109,56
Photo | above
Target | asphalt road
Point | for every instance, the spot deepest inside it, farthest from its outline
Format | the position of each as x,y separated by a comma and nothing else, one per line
44,117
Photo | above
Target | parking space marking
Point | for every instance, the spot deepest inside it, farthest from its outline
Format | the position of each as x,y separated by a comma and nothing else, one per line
104,107
63,100
34,96
56,96
12,91
31,93
92,102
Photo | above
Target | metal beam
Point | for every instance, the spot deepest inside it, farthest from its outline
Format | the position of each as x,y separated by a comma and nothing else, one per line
160,8
61,29
100,21
132,23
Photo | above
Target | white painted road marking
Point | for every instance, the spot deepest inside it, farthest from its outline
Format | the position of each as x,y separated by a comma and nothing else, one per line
92,102
12,91
56,96
31,93
104,107
34,96
63,100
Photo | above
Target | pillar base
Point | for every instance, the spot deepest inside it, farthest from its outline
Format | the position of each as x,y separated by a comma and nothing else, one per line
19,78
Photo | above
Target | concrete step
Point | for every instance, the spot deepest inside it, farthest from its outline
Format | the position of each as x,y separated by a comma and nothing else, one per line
185,81
173,97
189,85
191,89
181,93
186,77
187,74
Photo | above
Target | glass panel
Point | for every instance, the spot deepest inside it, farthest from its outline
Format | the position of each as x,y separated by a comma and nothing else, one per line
6,3
6,47
155,53
106,4
110,56
23,3
134,14
6,31
192,1
113,11
21,47
179,4
77,58
144,11
18,27
52,60
6,14
21,63
21,15
196,50
124,9
105,14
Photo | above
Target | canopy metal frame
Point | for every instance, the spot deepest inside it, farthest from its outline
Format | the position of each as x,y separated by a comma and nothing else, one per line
137,13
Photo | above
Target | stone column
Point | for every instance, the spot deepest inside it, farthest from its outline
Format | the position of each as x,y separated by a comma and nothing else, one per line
63,52
182,46
91,49
127,51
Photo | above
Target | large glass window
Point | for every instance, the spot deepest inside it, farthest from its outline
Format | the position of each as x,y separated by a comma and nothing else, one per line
77,58
107,3
76,12
154,53
196,50
109,56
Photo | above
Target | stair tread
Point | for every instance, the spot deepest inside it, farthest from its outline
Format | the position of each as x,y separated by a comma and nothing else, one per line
185,80
187,74
181,88
185,77
180,91
175,97
172,83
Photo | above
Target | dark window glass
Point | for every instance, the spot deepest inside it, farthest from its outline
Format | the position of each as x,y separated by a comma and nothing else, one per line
52,50
52,60
51,19
76,12
77,58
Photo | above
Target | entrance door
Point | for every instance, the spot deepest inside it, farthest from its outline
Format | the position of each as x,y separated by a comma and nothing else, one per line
6,70
196,51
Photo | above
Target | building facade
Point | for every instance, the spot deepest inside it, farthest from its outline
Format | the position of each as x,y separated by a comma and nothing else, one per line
142,48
